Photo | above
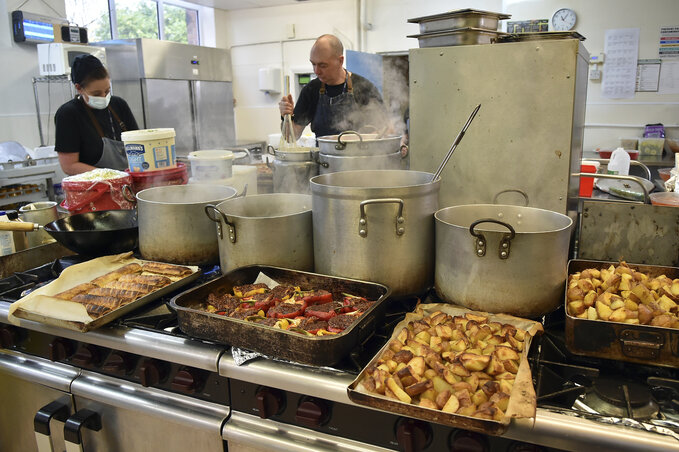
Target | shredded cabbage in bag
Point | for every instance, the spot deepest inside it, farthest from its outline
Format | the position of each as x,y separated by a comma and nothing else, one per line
97,174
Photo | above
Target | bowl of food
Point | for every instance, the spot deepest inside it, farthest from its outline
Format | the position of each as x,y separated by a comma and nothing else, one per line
672,145
666,198
664,173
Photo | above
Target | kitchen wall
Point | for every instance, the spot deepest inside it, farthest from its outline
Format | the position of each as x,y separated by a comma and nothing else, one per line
259,38
18,121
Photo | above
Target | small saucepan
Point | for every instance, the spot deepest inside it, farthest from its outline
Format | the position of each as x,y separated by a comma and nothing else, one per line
91,234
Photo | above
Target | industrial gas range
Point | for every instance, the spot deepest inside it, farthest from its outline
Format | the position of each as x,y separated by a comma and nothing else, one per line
140,382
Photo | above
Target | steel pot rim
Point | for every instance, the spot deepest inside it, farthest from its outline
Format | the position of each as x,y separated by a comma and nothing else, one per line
213,198
316,182
568,222
303,210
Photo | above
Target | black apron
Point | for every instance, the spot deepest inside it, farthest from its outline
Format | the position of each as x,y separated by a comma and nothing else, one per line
336,114
113,151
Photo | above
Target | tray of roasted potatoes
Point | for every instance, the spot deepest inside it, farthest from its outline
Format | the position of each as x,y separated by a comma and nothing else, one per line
621,311
453,366
90,294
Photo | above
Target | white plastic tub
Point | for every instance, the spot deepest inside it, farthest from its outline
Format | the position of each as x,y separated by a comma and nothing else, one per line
211,164
150,149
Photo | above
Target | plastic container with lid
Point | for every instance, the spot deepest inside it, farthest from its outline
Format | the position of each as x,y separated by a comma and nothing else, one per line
651,146
242,175
211,164
665,198
170,176
150,149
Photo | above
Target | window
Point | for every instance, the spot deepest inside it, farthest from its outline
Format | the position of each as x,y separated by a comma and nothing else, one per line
129,19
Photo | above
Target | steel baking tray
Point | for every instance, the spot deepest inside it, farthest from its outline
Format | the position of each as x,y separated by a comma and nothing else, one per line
540,36
522,399
195,321
461,18
457,37
116,313
642,344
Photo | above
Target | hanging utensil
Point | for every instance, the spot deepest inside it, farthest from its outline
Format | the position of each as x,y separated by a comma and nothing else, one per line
458,138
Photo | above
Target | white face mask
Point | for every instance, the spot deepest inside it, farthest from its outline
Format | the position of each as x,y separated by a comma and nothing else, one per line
99,103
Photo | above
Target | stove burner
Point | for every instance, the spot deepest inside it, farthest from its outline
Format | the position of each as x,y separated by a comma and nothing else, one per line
621,398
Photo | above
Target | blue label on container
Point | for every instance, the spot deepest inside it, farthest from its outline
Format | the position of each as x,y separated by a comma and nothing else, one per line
134,149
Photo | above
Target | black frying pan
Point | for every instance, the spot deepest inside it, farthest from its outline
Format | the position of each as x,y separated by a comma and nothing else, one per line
92,233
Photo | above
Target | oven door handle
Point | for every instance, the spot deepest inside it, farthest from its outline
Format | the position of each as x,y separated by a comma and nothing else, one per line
57,410
72,428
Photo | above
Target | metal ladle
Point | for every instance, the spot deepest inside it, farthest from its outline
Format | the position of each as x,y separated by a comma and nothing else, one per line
458,138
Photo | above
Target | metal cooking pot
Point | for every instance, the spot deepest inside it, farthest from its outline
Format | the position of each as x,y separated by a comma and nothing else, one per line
500,258
354,144
335,163
292,169
172,223
376,226
272,229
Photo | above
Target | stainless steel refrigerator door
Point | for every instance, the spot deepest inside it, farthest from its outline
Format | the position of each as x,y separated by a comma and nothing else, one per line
215,126
168,103
528,133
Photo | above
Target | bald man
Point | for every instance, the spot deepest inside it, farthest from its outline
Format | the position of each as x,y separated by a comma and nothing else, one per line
336,100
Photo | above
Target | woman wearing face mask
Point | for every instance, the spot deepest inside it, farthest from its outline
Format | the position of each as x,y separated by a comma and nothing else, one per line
88,127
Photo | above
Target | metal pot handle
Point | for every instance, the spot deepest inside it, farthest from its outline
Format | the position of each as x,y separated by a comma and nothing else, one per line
316,157
270,150
128,194
216,215
512,190
343,144
363,222
505,241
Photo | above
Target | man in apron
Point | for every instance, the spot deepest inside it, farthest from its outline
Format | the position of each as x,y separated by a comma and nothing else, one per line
336,100
88,128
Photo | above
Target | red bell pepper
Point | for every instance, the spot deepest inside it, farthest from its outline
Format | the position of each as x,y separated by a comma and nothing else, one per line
324,311
287,310
312,297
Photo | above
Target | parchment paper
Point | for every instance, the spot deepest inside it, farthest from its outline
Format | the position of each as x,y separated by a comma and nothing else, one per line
522,400
41,302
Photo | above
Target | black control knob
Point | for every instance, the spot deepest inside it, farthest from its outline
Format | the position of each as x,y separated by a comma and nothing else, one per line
152,372
87,355
464,441
60,349
412,435
187,380
312,413
9,337
269,402
118,363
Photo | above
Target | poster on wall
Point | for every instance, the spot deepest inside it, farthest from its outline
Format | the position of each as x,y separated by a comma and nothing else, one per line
669,42
648,75
669,77
621,47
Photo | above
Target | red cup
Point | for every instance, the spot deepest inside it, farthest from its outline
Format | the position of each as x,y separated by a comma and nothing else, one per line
587,183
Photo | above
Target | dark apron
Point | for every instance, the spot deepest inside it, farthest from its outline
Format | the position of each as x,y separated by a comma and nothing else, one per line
113,151
336,114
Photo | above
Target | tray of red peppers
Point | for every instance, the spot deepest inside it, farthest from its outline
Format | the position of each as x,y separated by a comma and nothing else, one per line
309,318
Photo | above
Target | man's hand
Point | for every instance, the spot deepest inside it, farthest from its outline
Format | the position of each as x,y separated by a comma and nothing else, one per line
286,105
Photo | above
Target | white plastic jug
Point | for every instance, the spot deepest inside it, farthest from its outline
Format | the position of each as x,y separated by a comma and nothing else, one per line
619,162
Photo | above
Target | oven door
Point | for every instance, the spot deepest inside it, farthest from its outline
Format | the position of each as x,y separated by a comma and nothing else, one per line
248,433
115,415
34,402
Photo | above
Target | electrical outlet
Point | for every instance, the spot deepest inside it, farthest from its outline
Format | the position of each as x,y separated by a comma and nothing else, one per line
595,74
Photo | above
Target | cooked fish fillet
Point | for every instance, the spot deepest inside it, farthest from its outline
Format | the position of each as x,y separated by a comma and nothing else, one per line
151,280
114,275
72,292
166,269
109,302
141,288
125,295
